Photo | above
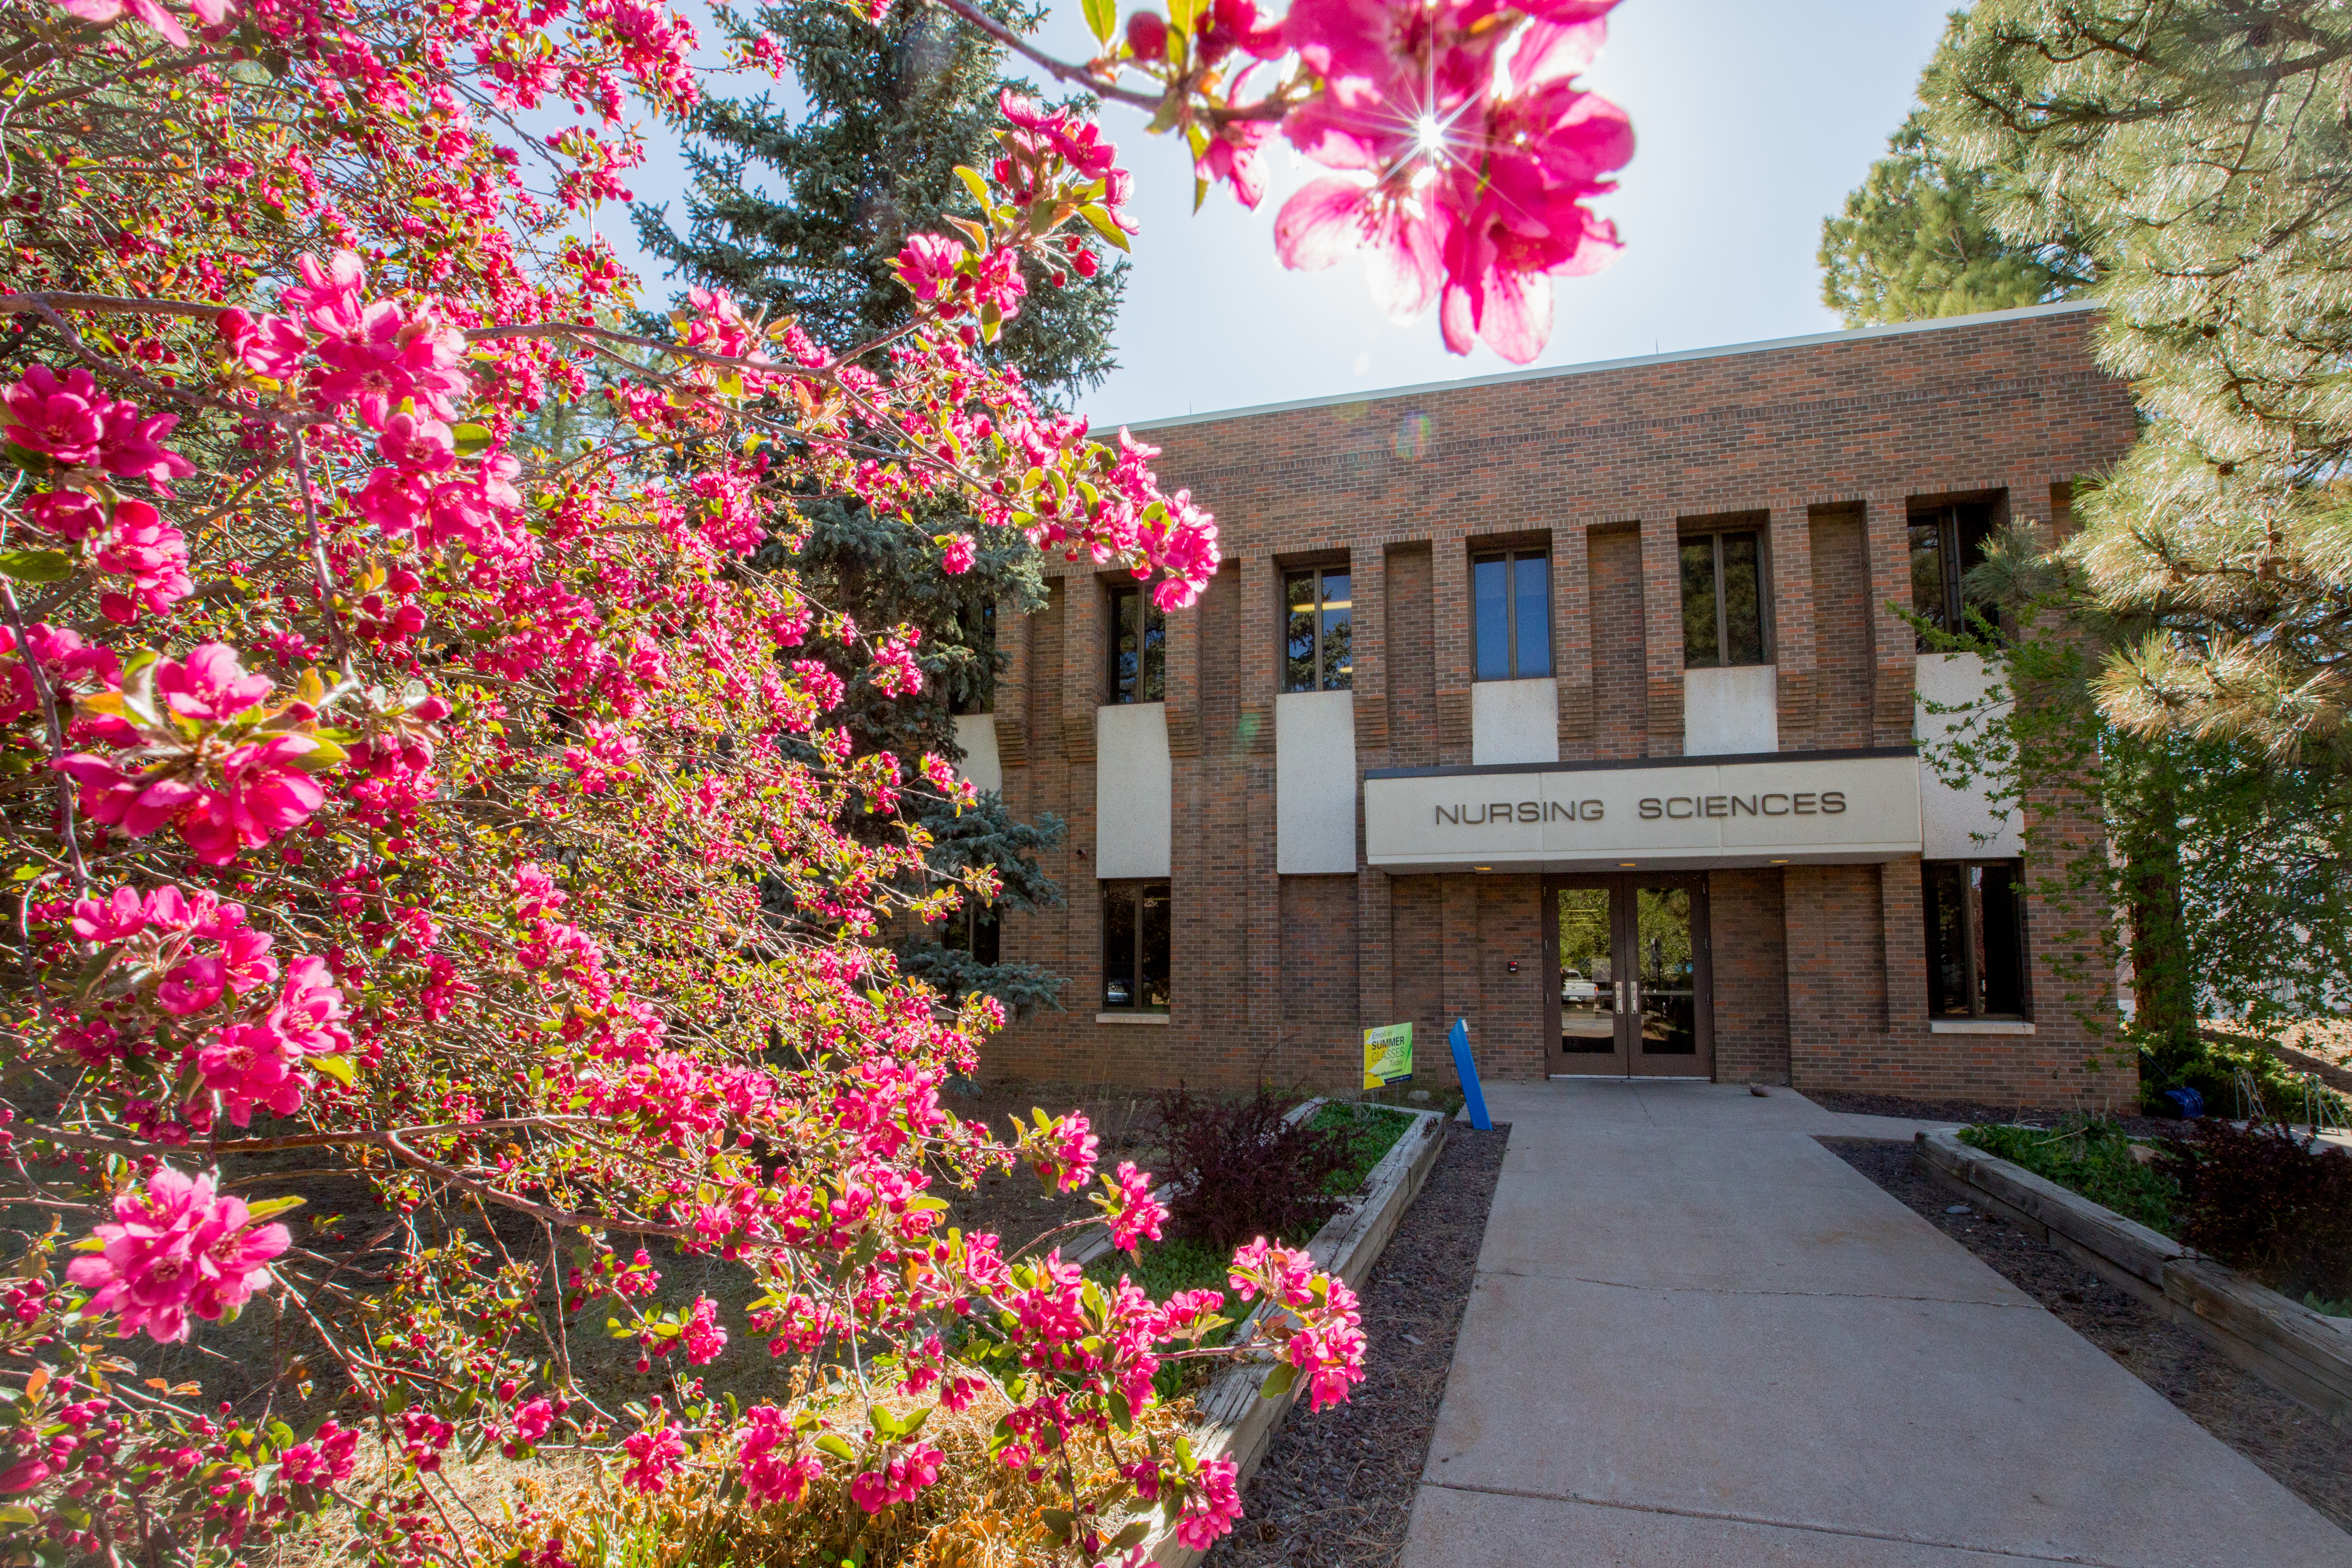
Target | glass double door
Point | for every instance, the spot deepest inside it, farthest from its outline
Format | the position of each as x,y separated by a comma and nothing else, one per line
1632,994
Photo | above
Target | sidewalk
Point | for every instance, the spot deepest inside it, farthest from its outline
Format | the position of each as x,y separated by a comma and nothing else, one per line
1698,1337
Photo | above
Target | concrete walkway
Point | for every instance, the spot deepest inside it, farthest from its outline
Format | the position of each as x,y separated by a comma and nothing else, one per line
1696,1336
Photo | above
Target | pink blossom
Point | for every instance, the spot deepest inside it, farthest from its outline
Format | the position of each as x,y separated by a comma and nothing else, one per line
897,674
210,684
121,913
705,1340
771,1469
329,296
1136,1214
534,1421
961,551
418,445
174,1250
132,448
150,551
1231,157
329,1456
655,1452
1212,1504
903,1480
63,417
390,359
271,346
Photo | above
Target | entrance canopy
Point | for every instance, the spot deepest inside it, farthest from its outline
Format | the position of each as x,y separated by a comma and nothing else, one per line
1785,808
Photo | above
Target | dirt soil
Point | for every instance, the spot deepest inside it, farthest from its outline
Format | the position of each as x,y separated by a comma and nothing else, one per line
2286,1438
1337,1488
1849,1104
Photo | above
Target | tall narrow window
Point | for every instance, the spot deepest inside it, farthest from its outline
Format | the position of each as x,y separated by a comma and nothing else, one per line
1511,614
1138,650
1945,545
1976,938
1723,600
1317,620
1135,927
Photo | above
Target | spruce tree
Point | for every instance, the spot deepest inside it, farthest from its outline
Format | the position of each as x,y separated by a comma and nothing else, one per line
800,214
1917,241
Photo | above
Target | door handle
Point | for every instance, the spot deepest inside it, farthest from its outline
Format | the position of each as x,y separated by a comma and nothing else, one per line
1635,986
1620,996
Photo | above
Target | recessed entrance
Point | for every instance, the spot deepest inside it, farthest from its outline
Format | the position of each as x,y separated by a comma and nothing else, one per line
1634,994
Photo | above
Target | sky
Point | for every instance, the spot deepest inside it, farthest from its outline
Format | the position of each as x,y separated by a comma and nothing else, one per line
1752,122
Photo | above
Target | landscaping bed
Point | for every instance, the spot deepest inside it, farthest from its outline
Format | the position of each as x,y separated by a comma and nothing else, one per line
1337,1489
2278,1433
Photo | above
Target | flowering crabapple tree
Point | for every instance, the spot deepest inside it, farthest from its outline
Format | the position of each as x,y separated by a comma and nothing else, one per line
397,803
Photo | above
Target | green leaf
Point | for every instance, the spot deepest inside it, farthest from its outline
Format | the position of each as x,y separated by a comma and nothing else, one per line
1130,1537
36,565
1100,217
1102,16
885,1425
1180,15
1277,1382
832,1443
974,182
14,1515
472,439
263,1211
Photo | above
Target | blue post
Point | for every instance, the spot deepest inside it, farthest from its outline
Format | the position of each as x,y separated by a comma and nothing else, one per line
1467,1071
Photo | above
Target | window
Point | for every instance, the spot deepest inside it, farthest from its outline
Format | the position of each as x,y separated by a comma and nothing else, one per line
1511,600
1723,600
1135,947
1945,545
1976,939
1317,620
1139,646
973,930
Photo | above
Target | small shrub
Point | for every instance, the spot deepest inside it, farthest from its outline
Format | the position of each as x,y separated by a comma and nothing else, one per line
1371,1131
2269,1203
2087,1156
1241,1171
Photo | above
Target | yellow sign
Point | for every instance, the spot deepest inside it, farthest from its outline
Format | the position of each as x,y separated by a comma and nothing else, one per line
1388,1055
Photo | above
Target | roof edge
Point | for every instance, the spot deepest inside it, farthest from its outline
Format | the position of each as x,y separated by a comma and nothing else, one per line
1504,378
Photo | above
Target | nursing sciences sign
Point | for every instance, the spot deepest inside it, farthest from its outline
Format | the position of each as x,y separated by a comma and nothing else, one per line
1693,812
1388,1055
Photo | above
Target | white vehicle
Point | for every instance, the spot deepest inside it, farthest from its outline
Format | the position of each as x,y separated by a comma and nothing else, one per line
1575,987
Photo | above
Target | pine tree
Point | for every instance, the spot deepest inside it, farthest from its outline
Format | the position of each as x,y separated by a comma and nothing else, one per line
1917,241
2202,150
802,216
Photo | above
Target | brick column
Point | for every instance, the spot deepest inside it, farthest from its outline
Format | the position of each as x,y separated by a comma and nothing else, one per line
1451,618
1086,656
1258,661
1662,626
1792,623
1571,580
1368,579
1894,659
1375,936
1459,905
1900,901
1183,682
1260,679
1013,684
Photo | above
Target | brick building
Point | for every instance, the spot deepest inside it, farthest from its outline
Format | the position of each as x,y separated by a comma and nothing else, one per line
1568,702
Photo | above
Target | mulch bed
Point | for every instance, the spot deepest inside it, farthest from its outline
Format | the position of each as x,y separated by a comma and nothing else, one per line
2287,1438
1849,1104
1337,1488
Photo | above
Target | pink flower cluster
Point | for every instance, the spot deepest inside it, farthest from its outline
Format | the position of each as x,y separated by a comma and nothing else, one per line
1321,1329
656,1451
254,1063
174,1250
71,421
1466,154
1136,1216
770,1459
200,761
906,1477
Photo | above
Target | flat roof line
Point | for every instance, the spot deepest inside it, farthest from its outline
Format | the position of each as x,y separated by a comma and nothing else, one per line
1855,334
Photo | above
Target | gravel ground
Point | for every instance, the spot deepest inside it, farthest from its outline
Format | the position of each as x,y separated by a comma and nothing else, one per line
2286,1438
1848,1104
1337,1488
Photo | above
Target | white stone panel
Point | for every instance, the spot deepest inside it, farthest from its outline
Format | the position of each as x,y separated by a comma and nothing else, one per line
976,733
1956,824
1514,721
1314,783
1134,789
1731,712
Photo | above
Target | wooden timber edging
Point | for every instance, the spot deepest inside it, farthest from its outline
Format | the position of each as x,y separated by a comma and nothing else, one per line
1233,1421
2286,1345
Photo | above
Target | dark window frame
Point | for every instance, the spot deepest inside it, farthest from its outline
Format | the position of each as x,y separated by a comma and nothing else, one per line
1150,677
1136,895
1715,536
1511,556
1978,968
1957,526
1319,574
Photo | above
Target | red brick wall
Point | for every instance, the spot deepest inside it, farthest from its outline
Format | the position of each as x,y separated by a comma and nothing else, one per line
1747,938
1830,441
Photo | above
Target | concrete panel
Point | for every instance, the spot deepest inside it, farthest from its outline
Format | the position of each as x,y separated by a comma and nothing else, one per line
1514,721
1134,789
976,735
1314,783
1990,1428
1729,711
1956,825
